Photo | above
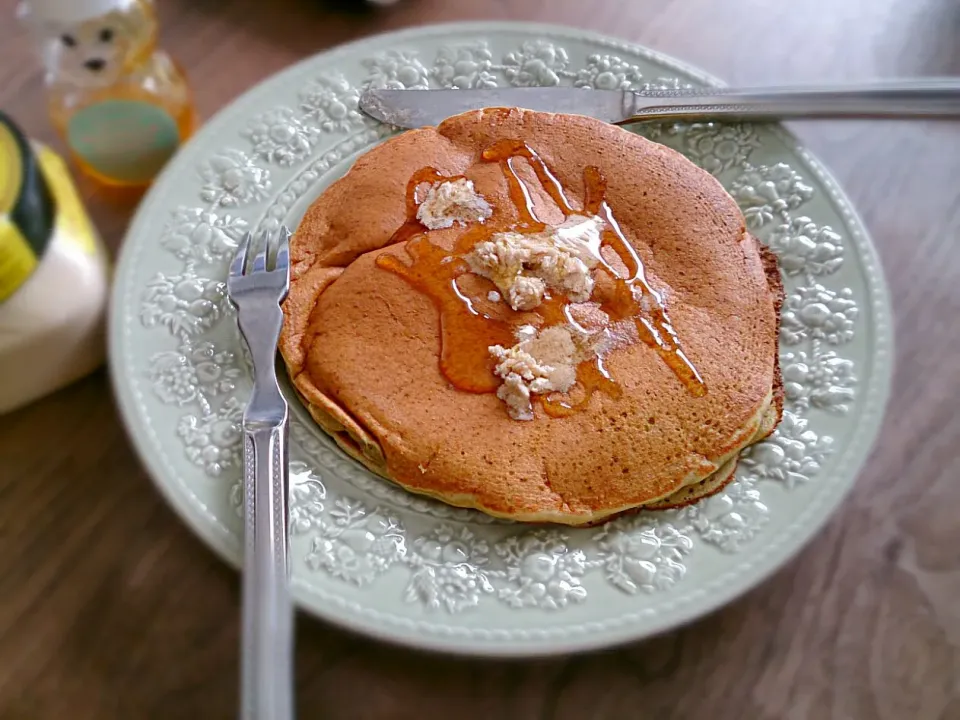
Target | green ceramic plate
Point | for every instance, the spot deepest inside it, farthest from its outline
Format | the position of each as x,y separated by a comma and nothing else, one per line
368,555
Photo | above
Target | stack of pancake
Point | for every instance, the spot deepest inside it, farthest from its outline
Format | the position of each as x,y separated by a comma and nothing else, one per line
363,344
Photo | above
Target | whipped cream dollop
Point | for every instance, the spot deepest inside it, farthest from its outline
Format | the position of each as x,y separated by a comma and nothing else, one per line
540,362
545,361
524,266
452,201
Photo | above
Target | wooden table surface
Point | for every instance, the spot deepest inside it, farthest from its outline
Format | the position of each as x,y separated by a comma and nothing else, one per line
111,608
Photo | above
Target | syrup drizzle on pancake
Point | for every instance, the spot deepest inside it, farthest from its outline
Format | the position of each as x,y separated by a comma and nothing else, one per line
467,331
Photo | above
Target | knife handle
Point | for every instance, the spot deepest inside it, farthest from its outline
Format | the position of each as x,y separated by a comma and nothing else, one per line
931,99
267,653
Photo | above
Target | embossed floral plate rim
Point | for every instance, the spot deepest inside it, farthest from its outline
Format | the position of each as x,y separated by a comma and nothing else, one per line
546,633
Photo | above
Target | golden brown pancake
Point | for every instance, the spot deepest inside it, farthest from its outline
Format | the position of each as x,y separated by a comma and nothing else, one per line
362,344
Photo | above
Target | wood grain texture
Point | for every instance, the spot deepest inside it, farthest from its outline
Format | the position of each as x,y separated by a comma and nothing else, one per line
110,608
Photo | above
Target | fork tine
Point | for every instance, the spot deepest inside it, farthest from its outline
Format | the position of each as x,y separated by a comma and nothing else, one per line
260,260
283,248
240,256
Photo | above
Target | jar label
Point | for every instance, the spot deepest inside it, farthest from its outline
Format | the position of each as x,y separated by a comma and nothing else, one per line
72,223
39,205
125,140
17,259
19,188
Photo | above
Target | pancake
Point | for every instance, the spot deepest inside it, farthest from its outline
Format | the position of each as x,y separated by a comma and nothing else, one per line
373,348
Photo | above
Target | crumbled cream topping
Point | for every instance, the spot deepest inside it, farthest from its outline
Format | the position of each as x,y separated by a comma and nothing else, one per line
540,362
524,265
525,292
452,201
526,332
545,361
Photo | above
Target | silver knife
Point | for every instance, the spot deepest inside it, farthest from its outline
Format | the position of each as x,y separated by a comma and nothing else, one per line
929,98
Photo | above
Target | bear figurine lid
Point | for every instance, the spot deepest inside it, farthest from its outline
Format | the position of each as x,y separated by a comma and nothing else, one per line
70,11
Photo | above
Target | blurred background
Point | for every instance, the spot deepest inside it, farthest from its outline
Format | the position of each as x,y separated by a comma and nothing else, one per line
111,608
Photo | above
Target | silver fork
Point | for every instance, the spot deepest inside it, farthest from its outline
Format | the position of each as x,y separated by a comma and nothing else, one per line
268,617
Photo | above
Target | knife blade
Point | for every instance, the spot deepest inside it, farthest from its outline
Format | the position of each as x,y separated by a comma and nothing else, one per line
421,108
928,98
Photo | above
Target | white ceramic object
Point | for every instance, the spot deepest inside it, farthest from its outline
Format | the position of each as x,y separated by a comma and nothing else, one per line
372,557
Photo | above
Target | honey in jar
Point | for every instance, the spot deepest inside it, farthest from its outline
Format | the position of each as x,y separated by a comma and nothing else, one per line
120,103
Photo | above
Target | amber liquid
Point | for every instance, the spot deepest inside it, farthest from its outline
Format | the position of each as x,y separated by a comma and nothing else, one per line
466,332
162,84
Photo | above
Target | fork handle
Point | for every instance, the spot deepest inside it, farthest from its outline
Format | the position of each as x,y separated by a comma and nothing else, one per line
937,98
268,618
